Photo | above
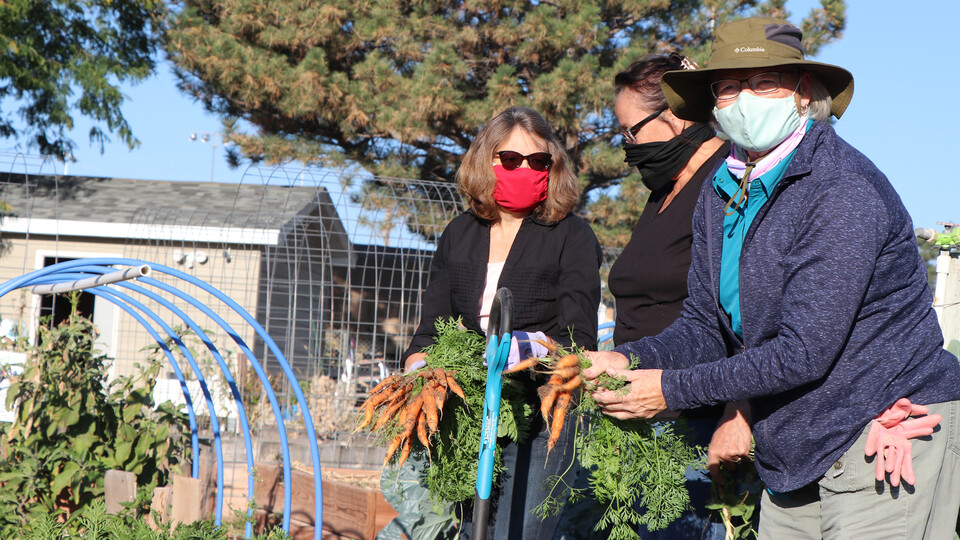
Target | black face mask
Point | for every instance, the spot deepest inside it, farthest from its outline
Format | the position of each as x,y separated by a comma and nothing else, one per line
658,162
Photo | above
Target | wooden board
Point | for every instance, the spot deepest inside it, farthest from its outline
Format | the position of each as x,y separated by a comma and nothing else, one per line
208,480
187,496
119,487
160,506
348,511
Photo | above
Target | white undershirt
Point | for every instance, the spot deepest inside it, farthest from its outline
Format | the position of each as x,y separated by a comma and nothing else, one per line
489,291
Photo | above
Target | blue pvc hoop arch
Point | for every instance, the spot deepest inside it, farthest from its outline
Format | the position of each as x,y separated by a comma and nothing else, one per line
608,335
244,348
59,273
211,407
109,295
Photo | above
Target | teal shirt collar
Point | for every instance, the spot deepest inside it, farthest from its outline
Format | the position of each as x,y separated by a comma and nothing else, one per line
735,227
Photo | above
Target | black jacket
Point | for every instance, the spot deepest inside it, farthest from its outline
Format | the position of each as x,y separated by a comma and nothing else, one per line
552,271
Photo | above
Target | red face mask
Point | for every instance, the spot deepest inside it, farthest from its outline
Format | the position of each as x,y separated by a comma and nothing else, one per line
521,189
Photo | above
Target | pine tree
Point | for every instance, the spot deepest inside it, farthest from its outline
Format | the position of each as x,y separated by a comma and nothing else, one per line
401,87
60,57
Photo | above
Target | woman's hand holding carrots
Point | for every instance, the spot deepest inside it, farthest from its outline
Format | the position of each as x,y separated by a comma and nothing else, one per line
643,400
601,360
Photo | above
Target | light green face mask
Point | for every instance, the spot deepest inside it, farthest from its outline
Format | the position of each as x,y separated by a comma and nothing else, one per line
757,123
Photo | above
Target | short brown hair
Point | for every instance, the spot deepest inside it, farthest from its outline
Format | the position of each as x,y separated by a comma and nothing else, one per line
476,179
643,77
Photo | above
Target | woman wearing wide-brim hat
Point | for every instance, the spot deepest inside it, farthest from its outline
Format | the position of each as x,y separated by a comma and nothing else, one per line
807,297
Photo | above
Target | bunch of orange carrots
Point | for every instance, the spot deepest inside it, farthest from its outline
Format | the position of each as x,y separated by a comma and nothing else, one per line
399,402
415,408
556,397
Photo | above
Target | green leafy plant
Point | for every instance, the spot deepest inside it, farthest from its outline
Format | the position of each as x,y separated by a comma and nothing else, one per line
94,523
70,427
736,499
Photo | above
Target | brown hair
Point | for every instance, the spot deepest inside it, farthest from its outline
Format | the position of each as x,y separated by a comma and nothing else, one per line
643,77
476,179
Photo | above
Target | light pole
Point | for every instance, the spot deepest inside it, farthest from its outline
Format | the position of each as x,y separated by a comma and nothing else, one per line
206,136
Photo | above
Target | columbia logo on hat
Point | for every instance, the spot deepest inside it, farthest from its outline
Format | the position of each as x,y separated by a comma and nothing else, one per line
749,49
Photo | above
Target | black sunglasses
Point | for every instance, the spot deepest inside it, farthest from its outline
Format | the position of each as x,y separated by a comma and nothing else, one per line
538,161
631,134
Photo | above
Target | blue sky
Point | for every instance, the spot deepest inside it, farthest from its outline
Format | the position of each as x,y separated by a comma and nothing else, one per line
902,56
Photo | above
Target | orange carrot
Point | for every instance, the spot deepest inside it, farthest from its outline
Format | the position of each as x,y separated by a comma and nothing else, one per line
402,414
401,390
570,385
388,413
376,400
405,452
455,388
440,376
367,417
566,373
440,396
548,344
559,415
526,364
430,408
422,430
412,413
547,402
392,448
389,381
569,360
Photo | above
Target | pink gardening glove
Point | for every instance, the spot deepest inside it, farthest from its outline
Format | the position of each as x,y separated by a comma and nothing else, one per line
888,436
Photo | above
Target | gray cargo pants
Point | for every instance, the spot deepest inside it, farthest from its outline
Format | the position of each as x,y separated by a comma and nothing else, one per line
849,503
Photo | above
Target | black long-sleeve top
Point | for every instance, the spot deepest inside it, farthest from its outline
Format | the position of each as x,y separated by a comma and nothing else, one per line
649,278
552,271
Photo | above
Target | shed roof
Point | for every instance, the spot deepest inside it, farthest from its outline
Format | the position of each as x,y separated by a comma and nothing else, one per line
159,209
119,200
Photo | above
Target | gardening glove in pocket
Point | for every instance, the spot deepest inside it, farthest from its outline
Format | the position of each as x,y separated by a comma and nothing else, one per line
888,439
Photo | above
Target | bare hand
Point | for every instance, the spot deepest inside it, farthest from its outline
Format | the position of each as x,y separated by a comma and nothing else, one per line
644,399
731,440
601,360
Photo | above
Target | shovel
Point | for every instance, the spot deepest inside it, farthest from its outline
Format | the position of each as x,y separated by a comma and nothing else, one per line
499,329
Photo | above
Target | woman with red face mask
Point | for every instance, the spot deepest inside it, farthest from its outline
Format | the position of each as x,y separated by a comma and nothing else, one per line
518,233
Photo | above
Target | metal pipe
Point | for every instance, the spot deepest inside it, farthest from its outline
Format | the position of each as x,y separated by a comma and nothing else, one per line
224,368
294,385
94,281
926,234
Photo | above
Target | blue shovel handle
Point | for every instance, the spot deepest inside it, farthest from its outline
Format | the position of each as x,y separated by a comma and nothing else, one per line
498,348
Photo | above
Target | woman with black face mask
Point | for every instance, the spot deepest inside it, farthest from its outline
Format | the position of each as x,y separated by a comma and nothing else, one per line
649,278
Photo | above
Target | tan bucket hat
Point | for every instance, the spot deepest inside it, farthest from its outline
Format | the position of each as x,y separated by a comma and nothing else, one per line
750,43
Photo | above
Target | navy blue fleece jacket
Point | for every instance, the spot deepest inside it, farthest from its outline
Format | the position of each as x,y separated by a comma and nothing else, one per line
837,316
